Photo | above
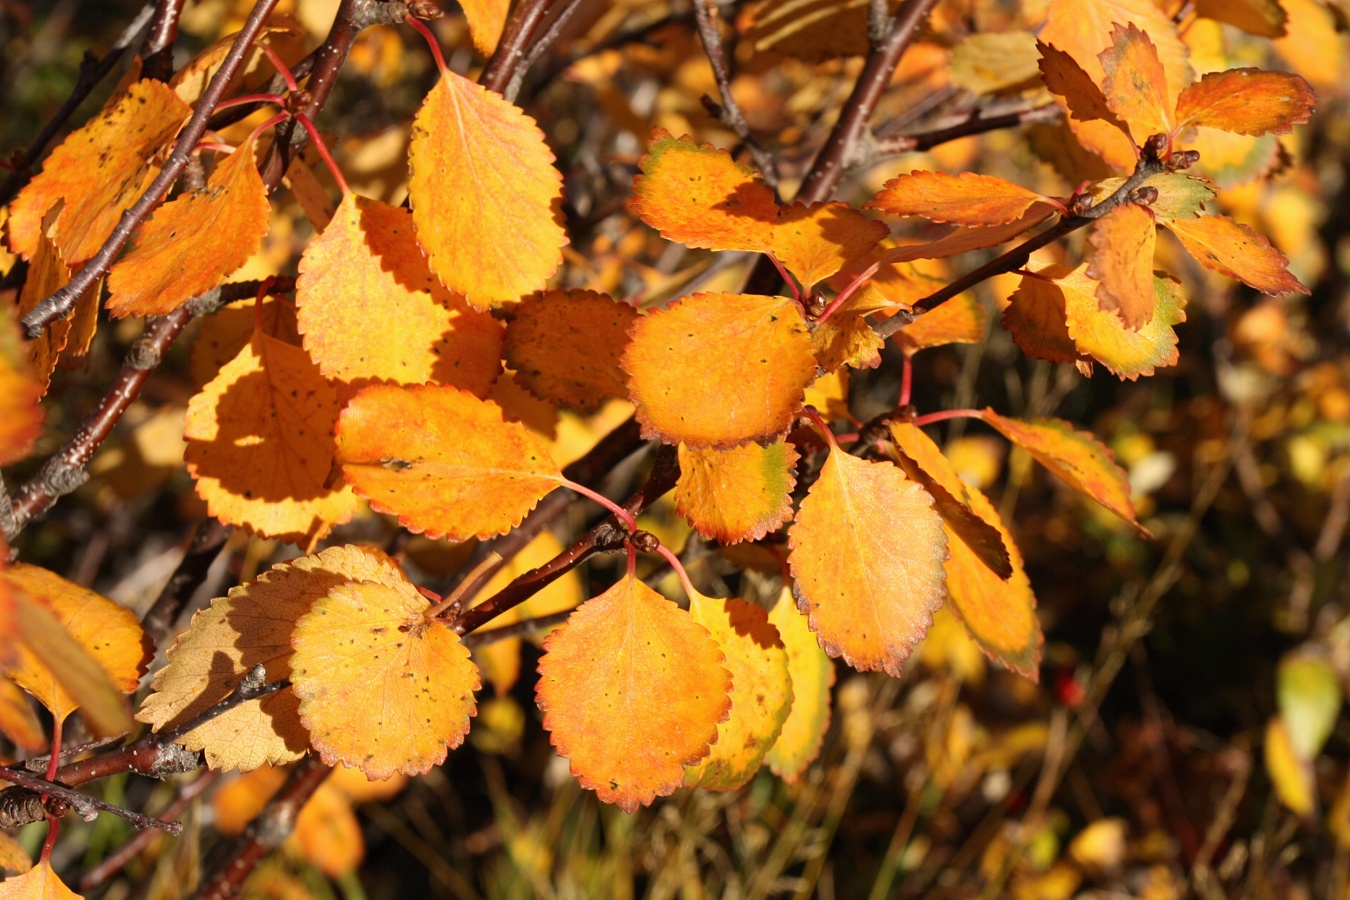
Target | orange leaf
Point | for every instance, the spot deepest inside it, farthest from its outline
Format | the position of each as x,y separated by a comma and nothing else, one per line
1036,316
1264,18
252,627
365,271
960,320
1230,248
78,649
443,461
1064,77
1124,241
697,195
847,337
998,609
966,199
20,415
260,444
565,347
812,677
1247,101
739,494
12,855
866,560
486,198
125,139
38,883
17,721
1102,336
815,242
192,242
231,329
1079,459
761,691
632,690
962,240
1136,86
716,370
381,687
47,274
486,20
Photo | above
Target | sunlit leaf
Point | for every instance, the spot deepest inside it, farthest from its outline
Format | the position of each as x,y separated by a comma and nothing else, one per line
192,242
812,677
79,650
761,691
1123,243
696,194
866,560
739,494
47,273
443,461
1308,693
1079,459
991,62
632,690
716,370
381,687
966,199
1264,18
1179,196
38,883
815,242
1102,336
1248,101
365,271
1291,775
1231,248
964,239
486,20
960,320
20,390
126,140
260,444
847,337
1135,85
250,627
1067,79
565,345
485,196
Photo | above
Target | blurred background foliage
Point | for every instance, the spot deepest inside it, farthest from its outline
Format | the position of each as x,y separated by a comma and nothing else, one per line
1185,737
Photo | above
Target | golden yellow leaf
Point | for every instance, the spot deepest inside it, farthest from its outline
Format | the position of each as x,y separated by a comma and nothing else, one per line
38,883
739,494
812,674
565,347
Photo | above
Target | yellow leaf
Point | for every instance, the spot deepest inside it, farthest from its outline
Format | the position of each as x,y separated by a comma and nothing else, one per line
739,494
38,883
812,677
1291,775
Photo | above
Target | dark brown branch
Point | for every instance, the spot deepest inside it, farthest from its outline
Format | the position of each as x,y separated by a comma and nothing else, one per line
607,535
157,48
265,833
972,124
58,305
207,540
65,471
514,46
538,48
83,805
728,111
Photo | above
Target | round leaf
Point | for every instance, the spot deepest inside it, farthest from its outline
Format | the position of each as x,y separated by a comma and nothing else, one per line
739,494
565,347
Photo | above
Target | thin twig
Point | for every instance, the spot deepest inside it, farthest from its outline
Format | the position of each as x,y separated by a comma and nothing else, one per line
728,111
976,122
514,44
83,805
538,48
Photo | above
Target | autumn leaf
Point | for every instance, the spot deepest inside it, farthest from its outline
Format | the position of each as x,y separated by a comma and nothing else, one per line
1264,18
1231,248
761,691
966,199
1123,242
960,320
20,390
78,649
125,138
260,444
381,686
1037,319
739,494
13,857
442,460
1135,85
632,690
1102,336
716,370
192,242
1083,99
485,196
17,720
367,269
252,627
565,347
1247,101
995,62
813,242
812,674
866,561
1179,196
846,337
38,883
47,273
193,77
1077,458
994,602
697,195
486,20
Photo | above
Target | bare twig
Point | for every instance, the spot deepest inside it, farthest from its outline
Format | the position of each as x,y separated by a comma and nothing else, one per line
527,628
538,48
83,805
728,111
157,48
514,45
978,121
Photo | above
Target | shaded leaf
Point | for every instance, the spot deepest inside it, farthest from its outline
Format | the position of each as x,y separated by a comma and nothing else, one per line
485,196
1079,459
1179,196
565,347
866,561
1231,248
761,691
1247,101
632,690
1135,85
1263,18
847,337
17,721
682,360
260,444
1291,775
1123,244
20,390
1082,97
740,494
1036,316
1308,693
812,673
966,199
442,460
960,320
815,242
962,240
381,687
250,627
12,855
696,194
192,242
365,271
